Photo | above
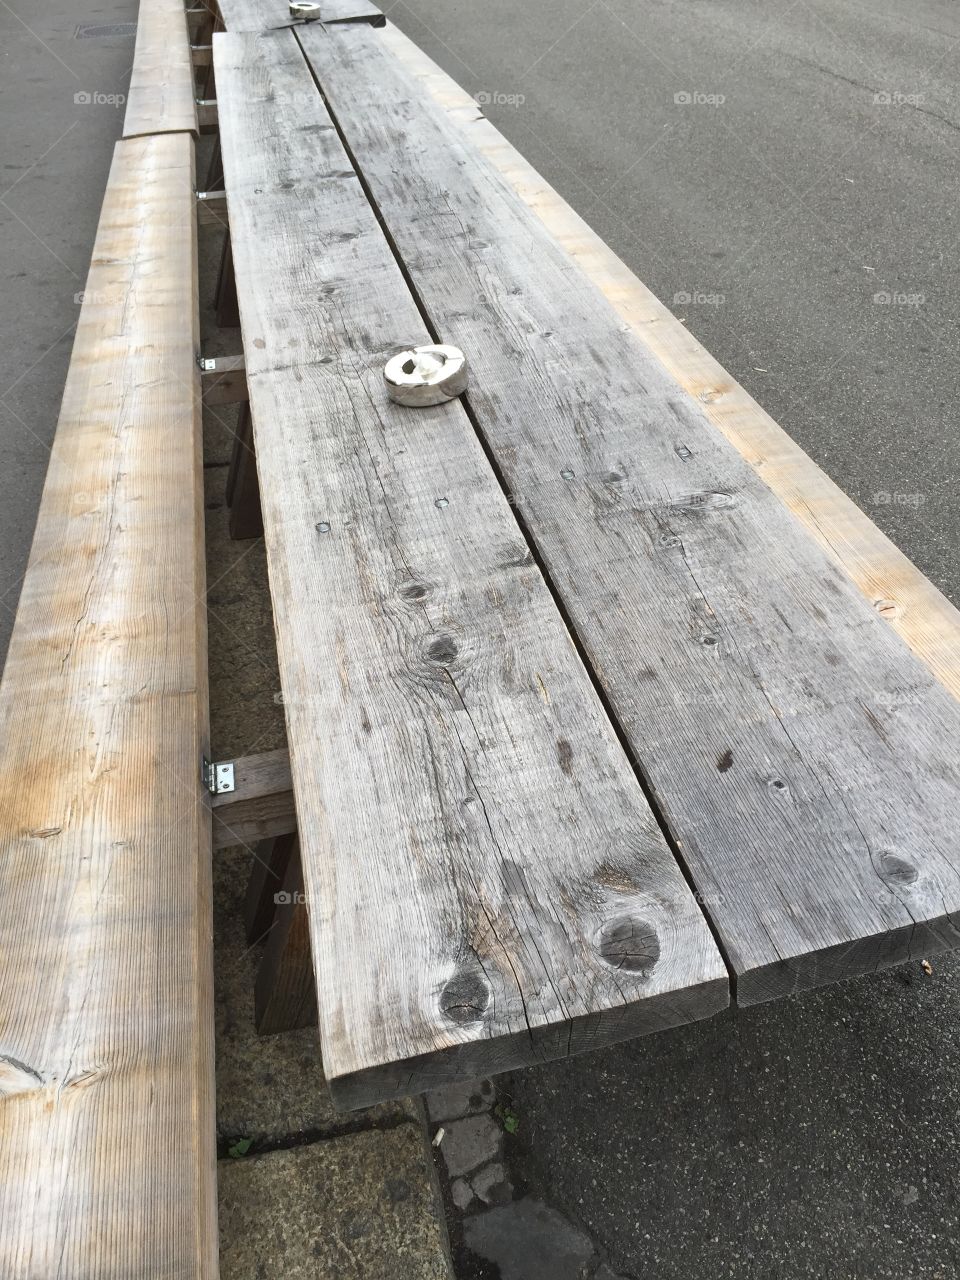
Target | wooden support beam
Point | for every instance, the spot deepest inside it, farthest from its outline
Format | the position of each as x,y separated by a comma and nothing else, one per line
224,380
198,18
211,208
207,115
261,805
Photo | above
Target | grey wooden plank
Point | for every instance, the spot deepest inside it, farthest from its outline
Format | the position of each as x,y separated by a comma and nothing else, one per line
487,884
804,759
266,15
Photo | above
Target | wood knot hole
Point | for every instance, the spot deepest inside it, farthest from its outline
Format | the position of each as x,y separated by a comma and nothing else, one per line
630,943
443,650
465,998
897,870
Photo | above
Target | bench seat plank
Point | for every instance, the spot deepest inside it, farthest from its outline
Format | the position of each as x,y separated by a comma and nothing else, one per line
108,1155
486,882
803,757
162,97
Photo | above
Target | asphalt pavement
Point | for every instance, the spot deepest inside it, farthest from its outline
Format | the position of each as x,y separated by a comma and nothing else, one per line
784,176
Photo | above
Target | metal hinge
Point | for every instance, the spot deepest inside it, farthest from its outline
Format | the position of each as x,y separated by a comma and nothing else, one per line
217,776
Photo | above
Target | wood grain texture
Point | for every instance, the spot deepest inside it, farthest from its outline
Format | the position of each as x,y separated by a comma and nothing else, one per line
162,98
487,884
261,806
804,759
107,1163
251,16
906,599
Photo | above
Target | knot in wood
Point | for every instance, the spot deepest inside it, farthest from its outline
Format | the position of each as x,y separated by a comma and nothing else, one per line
897,870
442,650
465,998
630,943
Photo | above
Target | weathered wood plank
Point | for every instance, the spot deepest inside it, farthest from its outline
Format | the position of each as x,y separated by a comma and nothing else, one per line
794,743
266,15
162,97
906,599
486,882
108,1157
260,806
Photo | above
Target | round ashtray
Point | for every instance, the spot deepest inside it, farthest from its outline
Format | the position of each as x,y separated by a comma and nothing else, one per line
426,375
304,9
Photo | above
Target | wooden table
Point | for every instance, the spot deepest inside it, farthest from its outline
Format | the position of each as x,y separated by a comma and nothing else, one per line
586,726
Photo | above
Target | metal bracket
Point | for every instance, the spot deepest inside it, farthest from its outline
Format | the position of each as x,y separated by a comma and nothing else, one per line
205,364
217,776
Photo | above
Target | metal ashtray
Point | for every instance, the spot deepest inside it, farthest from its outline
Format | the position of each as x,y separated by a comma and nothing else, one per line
305,10
426,375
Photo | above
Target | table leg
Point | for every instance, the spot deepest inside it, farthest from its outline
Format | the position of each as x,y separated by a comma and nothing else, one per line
243,486
267,876
285,996
215,173
228,313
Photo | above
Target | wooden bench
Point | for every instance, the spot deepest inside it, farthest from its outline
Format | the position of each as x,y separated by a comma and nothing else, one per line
108,1157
